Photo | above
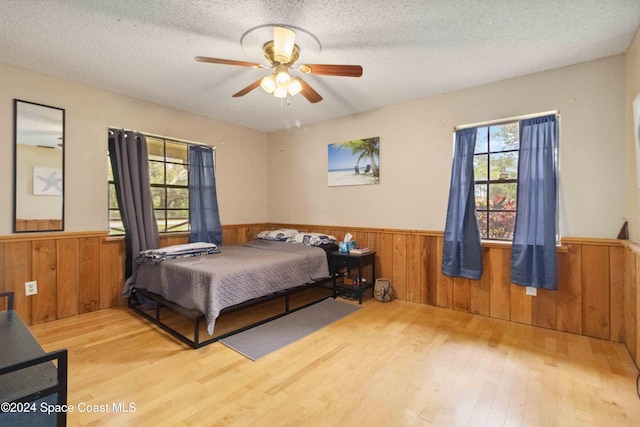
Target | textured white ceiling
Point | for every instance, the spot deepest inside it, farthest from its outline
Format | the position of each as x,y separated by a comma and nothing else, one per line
408,49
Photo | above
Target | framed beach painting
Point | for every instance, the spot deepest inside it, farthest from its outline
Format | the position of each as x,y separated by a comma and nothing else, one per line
355,162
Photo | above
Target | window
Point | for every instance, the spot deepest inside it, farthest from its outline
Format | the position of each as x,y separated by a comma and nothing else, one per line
115,220
169,180
495,169
169,177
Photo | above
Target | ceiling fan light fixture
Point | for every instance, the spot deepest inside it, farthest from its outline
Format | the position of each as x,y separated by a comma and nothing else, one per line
283,78
268,84
280,92
294,87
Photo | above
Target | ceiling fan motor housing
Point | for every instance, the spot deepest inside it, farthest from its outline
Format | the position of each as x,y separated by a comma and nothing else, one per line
269,53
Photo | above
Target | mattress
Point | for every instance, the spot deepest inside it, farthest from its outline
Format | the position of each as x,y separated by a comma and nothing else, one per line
239,273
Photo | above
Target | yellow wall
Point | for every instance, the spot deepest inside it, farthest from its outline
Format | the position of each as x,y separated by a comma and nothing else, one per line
632,282
241,152
632,62
416,153
282,177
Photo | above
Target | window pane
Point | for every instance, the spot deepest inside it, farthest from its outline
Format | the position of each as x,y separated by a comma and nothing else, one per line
160,219
114,215
480,167
109,170
482,223
480,193
155,148
503,166
158,197
504,137
482,141
116,227
156,172
113,201
178,214
502,196
178,198
178,225
176,153
501,225
177,174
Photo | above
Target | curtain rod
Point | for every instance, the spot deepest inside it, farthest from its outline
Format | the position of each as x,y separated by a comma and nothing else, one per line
182,141
509,119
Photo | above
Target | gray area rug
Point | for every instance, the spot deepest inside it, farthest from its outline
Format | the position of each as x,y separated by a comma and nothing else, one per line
271,336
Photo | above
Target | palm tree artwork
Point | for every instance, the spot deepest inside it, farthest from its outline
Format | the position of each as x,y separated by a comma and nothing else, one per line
354,162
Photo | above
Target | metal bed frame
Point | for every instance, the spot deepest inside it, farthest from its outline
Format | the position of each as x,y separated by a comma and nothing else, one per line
198,318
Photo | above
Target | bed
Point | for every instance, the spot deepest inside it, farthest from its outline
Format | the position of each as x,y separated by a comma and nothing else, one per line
202,287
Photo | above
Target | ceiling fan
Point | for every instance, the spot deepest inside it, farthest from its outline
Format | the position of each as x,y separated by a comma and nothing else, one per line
282,53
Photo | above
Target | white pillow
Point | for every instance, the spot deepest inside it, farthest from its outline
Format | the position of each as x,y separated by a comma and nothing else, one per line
281,234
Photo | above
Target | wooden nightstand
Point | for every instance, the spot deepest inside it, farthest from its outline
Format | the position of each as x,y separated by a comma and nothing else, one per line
350,263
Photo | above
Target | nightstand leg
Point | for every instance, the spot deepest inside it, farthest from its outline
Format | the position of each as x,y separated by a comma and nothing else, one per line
360,283
373,277
334,286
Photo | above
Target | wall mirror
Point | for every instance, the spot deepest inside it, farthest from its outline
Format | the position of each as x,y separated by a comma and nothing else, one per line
38,167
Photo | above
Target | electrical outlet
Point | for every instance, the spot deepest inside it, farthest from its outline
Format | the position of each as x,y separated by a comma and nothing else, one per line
31,288
531,291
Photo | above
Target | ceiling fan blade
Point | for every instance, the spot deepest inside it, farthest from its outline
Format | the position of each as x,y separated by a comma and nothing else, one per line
309,93
228,62
247,89
283,42
332,70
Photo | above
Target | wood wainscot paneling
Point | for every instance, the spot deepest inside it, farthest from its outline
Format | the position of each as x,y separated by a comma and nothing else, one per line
17,270
111,270
616,285
65,267
76,272
632,301
635,316
68,278
594,281
44,270
90,279
597,292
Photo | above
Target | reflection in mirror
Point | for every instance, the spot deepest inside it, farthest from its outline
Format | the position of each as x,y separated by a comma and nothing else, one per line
38,167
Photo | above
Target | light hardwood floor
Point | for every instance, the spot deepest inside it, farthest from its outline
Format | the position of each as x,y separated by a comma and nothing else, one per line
393,364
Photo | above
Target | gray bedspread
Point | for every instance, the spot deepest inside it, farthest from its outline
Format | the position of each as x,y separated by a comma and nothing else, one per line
237,274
